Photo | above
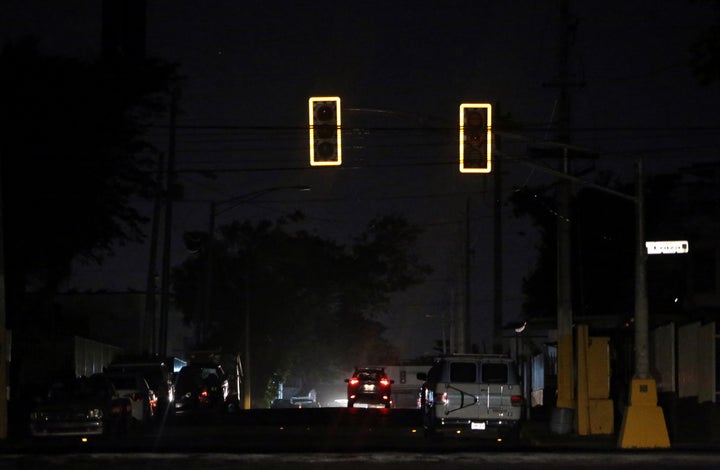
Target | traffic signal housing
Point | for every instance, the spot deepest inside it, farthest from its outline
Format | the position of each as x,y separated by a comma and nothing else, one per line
475,138
325,138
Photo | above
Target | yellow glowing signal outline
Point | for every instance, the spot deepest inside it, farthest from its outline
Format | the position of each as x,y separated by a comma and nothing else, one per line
311,118
488,107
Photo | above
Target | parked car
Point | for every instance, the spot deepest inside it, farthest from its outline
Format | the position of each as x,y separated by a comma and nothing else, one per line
159,376
477,394
369,386
201,387
136,388
81,407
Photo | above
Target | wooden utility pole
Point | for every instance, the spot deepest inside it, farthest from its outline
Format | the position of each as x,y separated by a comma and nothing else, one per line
4,343
565,388
497,252
149,334
463,336
167,235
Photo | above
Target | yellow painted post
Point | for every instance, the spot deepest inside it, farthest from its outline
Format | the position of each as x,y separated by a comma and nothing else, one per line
4,383
643,423
600,406
566,395
602,416
582,412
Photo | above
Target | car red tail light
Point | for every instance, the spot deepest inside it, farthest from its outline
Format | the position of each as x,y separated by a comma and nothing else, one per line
203,396
516,400
354,381
384,382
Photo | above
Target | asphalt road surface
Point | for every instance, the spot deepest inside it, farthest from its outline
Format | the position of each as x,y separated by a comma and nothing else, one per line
319,439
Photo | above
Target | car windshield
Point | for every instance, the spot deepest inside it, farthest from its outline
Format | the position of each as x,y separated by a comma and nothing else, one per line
79,389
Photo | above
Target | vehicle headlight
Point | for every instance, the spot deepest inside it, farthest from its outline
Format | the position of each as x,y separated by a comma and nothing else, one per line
95,413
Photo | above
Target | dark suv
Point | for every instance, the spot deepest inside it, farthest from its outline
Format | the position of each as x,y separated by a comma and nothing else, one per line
370,387
200,387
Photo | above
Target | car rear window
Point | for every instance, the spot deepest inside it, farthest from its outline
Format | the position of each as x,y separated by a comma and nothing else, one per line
494,373
124,383
369,375
463,372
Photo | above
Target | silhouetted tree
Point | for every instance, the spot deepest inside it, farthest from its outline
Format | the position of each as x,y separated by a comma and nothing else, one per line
705,50
73,156
311,301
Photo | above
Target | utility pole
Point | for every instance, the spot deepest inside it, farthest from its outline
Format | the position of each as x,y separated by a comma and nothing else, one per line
4,343
643,423
167,235
498,253
565,404
463,336
150,325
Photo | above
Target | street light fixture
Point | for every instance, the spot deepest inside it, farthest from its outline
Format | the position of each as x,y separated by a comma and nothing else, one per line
217,208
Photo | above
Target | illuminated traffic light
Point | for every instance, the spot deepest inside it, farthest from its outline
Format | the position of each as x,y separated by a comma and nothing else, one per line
475,138
325,141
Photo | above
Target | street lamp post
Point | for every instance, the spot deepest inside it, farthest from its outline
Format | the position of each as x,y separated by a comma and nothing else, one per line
217,208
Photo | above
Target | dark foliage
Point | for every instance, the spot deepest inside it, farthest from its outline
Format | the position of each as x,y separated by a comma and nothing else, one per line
310,300
73,157
705,51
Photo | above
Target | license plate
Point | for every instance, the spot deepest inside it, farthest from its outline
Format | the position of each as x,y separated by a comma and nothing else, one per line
369,388
477,426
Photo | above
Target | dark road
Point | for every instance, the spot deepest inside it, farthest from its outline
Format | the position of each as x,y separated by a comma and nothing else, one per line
322,438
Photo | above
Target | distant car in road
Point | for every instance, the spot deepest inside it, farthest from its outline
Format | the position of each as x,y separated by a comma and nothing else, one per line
370,387
82,406
136,388
201,387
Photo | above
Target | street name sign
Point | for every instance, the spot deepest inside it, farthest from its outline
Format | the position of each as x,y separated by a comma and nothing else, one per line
667,247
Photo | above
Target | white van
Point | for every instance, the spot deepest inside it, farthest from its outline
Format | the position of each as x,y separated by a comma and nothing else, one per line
476,394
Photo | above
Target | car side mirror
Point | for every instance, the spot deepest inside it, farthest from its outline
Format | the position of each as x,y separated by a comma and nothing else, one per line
347,380
392,382
421,376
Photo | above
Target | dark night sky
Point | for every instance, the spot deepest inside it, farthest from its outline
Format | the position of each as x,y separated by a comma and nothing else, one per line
400,67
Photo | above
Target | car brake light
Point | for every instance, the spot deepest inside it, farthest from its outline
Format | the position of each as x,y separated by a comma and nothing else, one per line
444,398
203,395
384,382
516,400
354,381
